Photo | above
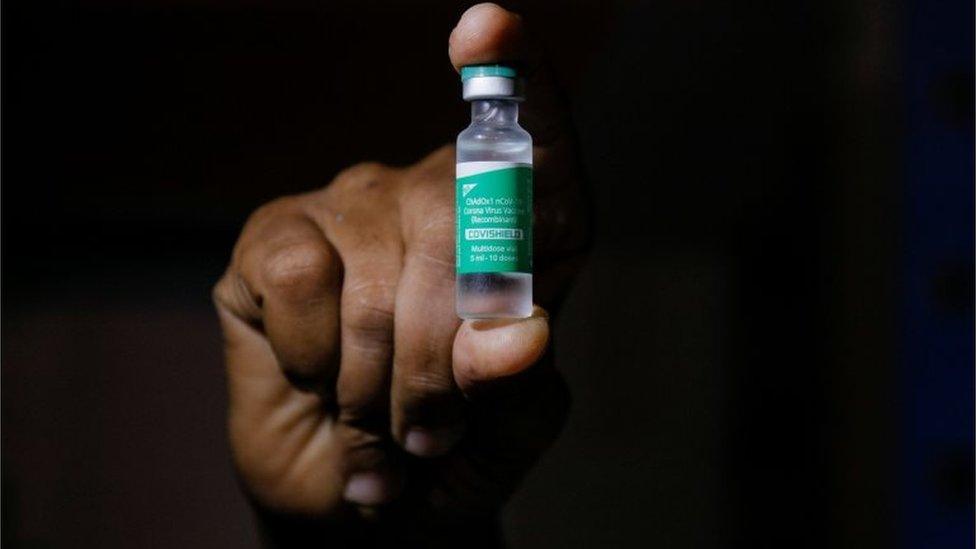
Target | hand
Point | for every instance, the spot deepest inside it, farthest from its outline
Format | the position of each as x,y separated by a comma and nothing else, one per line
357,396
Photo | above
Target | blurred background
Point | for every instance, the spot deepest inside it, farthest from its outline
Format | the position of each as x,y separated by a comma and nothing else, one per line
772,344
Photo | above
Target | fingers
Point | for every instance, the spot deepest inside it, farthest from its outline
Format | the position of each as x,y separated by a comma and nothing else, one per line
286,278
279,441
425,404
361,220
368,300
373,475
362,391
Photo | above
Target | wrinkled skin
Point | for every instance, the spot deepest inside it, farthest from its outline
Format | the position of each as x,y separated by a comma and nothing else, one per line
357,397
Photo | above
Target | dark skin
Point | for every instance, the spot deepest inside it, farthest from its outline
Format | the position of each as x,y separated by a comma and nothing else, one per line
361,407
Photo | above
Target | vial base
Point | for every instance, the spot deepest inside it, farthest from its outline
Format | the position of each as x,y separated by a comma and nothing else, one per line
494,295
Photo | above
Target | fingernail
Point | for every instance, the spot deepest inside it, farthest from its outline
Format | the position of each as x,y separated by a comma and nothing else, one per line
367,488
425,442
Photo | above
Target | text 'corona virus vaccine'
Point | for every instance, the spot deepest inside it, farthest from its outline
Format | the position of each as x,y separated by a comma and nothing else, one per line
493,198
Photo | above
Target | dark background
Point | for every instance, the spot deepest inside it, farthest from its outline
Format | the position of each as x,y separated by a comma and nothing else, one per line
772,344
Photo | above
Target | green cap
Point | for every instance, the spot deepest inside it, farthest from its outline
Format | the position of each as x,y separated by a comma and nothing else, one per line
492,69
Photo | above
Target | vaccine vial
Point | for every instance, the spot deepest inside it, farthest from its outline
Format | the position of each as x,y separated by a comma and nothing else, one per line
493,198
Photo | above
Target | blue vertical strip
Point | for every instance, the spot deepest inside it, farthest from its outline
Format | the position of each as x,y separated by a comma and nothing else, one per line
936,288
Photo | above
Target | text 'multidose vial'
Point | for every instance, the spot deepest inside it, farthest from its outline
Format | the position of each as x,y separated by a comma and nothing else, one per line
494,199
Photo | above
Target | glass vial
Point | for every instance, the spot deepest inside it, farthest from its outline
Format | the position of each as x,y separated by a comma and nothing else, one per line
493,199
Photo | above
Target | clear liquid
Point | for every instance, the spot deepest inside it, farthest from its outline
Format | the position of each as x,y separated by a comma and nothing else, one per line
494,135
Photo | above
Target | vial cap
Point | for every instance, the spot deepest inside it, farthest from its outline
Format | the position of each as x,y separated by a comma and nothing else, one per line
490,81
494,69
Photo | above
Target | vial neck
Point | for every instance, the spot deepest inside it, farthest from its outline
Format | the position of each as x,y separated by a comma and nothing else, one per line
496,112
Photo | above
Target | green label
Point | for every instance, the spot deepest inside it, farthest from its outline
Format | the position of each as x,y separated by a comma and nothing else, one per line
494,217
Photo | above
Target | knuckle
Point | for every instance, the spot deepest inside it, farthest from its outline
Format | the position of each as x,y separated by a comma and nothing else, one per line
373,296
299,270
419,386
362,170
359,176
251,244
267,211
372,344
231,294
368,319
369,307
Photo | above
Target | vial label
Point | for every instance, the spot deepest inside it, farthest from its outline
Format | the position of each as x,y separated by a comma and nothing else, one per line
494,217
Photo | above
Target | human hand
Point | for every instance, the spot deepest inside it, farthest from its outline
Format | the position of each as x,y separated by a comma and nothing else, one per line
357,396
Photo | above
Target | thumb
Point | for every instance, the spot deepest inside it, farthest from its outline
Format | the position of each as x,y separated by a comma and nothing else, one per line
488,33
518,400
491,352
